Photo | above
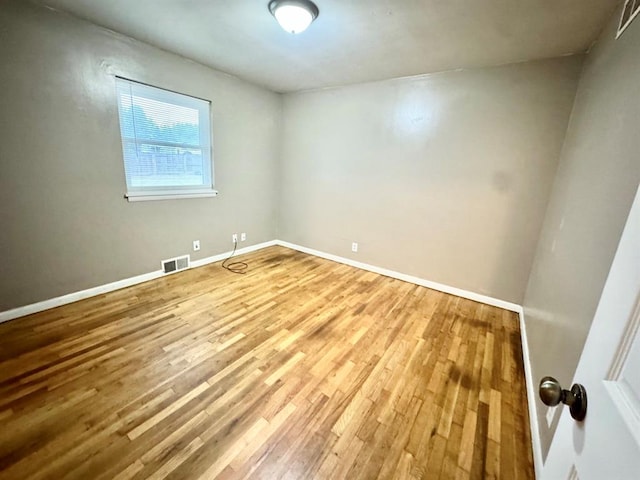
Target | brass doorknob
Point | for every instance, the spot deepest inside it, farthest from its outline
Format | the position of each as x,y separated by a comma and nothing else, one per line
551,394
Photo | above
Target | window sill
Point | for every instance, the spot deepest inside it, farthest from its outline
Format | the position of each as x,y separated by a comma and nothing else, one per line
168,196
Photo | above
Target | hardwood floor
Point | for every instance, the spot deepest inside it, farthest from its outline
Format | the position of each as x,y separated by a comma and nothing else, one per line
302,368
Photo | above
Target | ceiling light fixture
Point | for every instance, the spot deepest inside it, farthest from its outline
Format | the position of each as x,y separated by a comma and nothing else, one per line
294,16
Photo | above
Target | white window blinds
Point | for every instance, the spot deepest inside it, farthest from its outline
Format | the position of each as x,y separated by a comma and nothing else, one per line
166,142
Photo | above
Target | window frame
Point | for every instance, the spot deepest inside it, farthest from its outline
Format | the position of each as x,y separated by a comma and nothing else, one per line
205,125
633,11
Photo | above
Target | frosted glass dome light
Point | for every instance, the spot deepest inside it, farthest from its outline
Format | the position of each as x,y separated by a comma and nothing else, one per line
294,16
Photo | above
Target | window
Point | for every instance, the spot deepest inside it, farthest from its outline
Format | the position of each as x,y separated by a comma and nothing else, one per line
630,11
166,143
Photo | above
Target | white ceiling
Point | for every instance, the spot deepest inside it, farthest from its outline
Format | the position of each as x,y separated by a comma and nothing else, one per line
352,40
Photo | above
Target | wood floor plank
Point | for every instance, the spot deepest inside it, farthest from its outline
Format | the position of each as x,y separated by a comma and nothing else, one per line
301,368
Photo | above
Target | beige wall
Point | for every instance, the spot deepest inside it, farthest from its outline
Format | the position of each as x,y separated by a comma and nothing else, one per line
445,177
65,224
597,178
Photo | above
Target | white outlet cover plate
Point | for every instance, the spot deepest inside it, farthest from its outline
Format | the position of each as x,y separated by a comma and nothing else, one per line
196,245
354,247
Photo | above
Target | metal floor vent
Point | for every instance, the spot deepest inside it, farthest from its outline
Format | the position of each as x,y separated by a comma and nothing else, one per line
175,264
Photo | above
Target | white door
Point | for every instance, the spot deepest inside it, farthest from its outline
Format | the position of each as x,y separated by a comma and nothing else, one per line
606,445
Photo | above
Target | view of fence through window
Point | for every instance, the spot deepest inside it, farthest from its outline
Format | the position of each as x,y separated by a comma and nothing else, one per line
161,138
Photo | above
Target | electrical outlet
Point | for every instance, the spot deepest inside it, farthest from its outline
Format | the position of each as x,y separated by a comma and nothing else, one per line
196,245
243,237
354,247
234,238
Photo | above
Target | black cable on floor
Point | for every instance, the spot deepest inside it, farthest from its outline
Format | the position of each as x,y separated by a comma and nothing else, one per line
235,267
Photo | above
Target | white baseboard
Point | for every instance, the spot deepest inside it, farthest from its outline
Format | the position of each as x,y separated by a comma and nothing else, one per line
408,278
75,296
110,287
531,398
